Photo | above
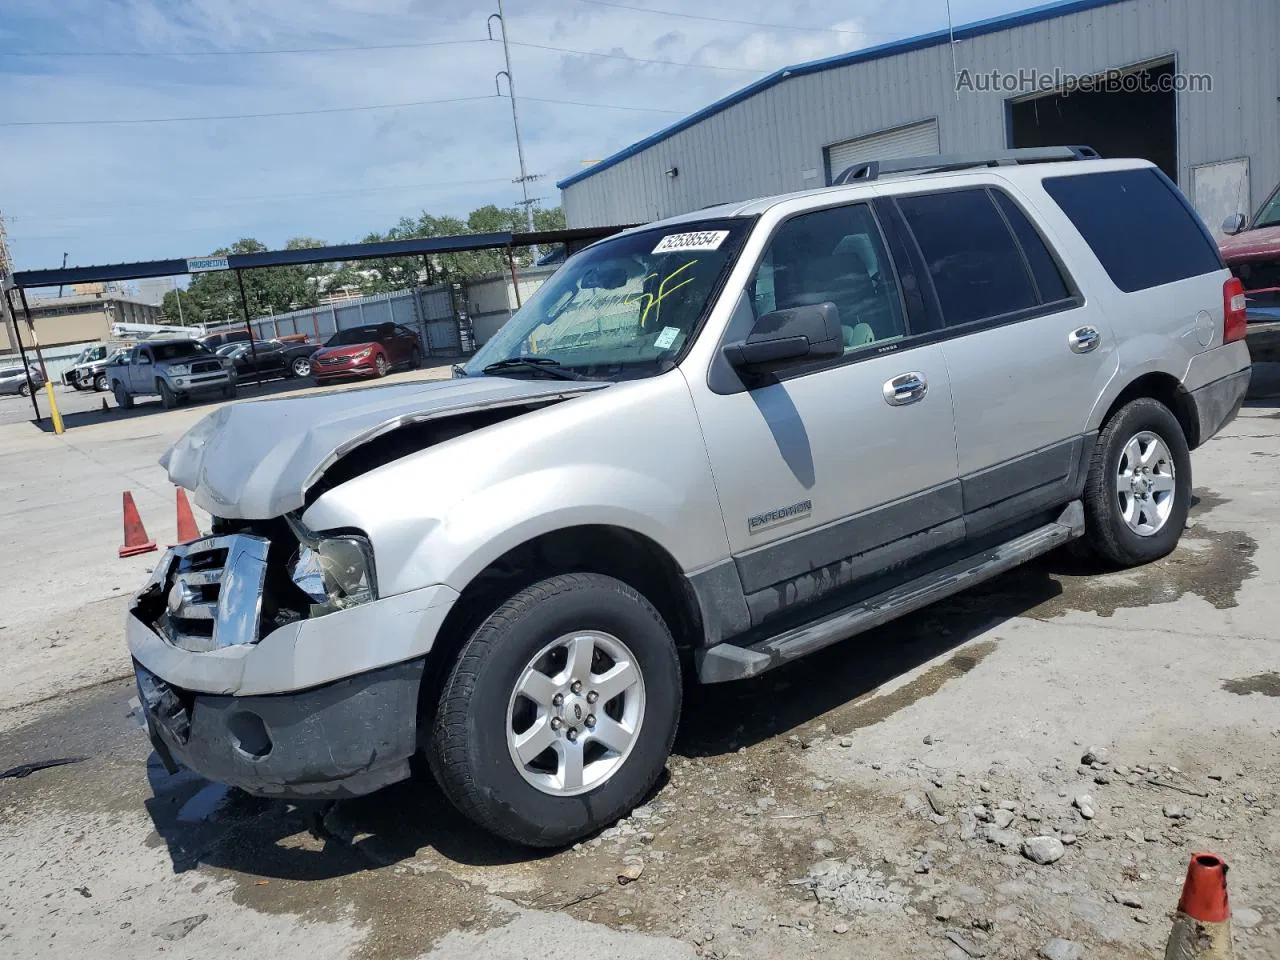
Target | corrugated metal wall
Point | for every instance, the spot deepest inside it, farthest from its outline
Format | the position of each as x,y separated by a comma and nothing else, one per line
774,141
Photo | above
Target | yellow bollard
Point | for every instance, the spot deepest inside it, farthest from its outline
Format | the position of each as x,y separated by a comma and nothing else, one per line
53,409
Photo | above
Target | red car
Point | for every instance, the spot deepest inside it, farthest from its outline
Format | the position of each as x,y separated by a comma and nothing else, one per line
1252,251
370,351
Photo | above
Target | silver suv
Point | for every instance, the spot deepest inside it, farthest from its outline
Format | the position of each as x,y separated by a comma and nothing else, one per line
705,447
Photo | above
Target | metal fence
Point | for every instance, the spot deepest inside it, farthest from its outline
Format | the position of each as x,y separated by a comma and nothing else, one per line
450,319
426,311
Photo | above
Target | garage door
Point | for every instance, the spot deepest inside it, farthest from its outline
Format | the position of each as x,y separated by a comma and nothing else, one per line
917,140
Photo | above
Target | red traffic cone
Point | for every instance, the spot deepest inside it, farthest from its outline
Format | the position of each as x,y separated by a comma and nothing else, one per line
187,529
1202,925
135,534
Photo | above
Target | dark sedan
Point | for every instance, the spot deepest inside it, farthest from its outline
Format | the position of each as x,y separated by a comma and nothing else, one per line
269,358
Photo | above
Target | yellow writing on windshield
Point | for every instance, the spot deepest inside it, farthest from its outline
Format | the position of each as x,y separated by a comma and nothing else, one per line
651,301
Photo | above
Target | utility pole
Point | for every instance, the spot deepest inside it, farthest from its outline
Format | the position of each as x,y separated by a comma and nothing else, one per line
64,266
525,177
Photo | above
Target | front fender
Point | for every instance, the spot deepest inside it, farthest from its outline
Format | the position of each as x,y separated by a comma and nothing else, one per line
499,518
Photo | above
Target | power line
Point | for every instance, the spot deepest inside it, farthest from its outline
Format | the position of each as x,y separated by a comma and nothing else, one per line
179,54
310,113
138,54
745,23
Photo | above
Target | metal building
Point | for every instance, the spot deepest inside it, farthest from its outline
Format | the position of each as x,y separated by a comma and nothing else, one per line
1193,85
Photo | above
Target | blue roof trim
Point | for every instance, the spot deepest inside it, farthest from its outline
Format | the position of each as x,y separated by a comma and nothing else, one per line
1048,11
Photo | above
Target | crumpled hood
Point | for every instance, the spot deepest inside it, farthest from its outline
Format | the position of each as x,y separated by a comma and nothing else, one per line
257,460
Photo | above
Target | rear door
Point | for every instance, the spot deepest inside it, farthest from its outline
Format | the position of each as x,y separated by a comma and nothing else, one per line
392,343
1027,355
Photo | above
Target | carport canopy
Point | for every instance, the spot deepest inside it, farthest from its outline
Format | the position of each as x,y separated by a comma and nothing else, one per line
24,280
572,239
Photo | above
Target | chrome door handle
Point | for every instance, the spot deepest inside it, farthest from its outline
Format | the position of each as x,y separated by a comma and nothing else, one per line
904,389
1084,340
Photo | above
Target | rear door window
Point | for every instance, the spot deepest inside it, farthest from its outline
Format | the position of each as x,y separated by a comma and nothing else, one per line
1139,226
976,266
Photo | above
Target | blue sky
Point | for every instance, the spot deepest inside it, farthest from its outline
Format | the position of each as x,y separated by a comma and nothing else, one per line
118,191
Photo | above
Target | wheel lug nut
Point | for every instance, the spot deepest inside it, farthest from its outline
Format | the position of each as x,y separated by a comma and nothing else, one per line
557,700
592,697
572,735
591,720
555,723
576,686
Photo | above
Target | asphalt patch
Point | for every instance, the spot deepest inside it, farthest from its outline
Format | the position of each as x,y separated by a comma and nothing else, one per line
1267,684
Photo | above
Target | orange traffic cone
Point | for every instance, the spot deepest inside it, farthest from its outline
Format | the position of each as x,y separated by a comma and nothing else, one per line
1202,925
187,529
135,534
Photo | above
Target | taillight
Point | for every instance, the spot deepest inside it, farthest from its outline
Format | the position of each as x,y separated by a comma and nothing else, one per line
1235,311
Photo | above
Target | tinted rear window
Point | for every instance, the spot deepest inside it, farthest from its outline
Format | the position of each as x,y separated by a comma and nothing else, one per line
1139,226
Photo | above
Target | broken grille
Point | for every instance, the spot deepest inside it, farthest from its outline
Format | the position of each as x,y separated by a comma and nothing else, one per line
212,590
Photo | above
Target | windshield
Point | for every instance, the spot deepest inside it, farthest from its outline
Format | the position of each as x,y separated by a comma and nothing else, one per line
1269,215
349,338
174,351
624,307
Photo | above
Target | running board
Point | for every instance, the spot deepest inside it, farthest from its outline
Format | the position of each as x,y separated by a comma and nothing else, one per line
725,661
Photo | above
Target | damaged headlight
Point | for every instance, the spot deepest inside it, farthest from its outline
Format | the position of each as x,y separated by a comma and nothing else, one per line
335,572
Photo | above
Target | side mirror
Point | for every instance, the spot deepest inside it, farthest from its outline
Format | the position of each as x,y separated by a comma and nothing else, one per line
811,332
1234,224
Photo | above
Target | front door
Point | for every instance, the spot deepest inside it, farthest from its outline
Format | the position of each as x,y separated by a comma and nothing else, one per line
841,469
1028,357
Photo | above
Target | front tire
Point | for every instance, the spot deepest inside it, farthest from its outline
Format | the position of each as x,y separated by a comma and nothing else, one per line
559,714
168,399
1138,492
229,391
100,383
380,365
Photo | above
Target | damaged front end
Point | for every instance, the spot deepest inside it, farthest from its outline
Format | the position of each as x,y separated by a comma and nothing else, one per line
255,589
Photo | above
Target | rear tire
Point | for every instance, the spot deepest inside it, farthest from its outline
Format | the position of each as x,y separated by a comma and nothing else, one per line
584,627
415,360
1138,492
124,399
301,367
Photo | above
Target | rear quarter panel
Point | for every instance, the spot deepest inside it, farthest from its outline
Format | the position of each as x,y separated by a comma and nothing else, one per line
1161,329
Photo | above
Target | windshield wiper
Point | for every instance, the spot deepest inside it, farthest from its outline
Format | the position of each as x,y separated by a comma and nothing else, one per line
539,364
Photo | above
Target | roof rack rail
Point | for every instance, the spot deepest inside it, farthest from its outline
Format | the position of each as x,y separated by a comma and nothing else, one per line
938,163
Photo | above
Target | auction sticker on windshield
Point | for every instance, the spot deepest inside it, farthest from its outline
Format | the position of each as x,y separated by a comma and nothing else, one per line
702,240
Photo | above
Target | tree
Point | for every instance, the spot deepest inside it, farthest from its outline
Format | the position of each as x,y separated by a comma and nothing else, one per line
215,297
189,313
268,290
